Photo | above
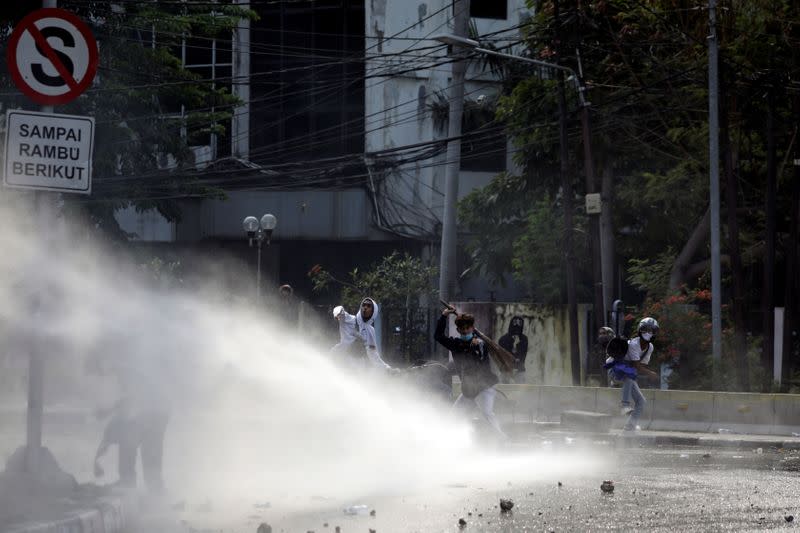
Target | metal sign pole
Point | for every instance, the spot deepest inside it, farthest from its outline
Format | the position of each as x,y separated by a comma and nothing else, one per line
33,444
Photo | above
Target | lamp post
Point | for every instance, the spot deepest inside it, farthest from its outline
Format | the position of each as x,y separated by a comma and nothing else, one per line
600,304
259,231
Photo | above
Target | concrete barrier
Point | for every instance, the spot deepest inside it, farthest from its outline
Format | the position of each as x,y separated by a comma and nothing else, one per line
555,400
588,421
680,410
673,410
607,400
743,412
787,414
523,401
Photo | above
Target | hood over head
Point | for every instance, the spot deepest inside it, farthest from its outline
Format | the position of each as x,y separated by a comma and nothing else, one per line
371,321
516,325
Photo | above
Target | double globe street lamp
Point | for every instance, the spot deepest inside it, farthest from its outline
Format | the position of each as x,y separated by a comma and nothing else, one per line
259,231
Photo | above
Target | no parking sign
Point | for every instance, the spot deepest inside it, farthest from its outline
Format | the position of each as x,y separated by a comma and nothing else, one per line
52,56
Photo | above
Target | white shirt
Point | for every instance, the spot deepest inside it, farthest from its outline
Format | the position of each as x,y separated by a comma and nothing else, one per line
370,342
635,351
348,331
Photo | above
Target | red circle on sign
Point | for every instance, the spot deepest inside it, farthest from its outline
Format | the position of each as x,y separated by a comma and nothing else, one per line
76,86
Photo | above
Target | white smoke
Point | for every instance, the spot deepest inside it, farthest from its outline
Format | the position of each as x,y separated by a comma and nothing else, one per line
256,413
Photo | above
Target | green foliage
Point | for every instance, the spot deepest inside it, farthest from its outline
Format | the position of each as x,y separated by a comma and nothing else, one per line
163,274
397,281
651,276
137,100
645,65
538,257
496,218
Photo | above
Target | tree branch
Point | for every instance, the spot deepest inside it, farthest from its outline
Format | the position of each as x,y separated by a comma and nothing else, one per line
682,263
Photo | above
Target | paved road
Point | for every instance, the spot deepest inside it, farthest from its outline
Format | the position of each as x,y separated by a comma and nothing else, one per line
701,488
666,489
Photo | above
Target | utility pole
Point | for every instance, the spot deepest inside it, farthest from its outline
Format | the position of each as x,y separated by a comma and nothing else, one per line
566,186
447,258
734,250
595,238
713,163
602,298
790,306
768,289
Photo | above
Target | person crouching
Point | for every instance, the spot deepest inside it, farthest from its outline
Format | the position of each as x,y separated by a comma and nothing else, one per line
472,363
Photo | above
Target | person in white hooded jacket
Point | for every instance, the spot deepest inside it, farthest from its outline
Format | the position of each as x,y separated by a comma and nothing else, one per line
360,328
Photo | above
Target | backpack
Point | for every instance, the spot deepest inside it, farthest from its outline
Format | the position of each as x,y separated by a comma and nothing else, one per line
617,348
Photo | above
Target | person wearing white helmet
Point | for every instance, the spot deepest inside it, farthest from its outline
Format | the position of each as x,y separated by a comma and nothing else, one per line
640,350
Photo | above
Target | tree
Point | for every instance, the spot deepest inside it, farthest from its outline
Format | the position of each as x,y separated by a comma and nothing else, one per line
148,109
645,65
400,283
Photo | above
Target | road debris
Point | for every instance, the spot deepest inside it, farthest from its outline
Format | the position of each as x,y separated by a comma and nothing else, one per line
506,505
607,486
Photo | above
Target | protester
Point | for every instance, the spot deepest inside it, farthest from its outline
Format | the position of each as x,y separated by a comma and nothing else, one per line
604,337
289,307
516,343
472,364
357,334
120,431
640,350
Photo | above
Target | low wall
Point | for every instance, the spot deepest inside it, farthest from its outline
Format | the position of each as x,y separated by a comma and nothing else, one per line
673,410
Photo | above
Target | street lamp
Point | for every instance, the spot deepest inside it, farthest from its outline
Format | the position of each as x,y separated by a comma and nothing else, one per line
599,297
259,231
450,39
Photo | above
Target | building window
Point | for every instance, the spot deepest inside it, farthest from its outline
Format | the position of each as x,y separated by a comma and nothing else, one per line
307,80
489,9
211,59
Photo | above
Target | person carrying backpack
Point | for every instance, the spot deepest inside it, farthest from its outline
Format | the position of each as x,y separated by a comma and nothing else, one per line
626,367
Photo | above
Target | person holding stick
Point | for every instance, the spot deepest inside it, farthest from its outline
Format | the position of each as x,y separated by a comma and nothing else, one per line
472,363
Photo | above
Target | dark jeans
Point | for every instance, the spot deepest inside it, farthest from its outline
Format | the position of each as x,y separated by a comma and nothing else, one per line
146,431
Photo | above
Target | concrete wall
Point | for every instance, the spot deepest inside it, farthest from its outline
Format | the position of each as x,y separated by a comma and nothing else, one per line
547,329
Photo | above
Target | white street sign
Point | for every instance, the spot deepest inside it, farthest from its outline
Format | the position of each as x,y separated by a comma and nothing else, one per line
48,151
594,204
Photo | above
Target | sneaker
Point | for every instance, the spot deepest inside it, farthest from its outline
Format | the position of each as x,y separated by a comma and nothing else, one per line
626,410
630,429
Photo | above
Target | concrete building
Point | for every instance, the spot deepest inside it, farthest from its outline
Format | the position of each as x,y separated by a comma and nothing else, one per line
337,136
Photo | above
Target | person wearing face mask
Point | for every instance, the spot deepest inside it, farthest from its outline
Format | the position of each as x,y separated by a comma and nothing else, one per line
516,343
640,350
472,363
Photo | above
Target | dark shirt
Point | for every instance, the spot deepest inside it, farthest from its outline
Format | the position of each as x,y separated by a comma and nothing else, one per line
507,341
471,361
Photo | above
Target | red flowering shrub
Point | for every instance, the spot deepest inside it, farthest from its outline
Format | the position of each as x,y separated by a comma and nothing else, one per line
684,336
